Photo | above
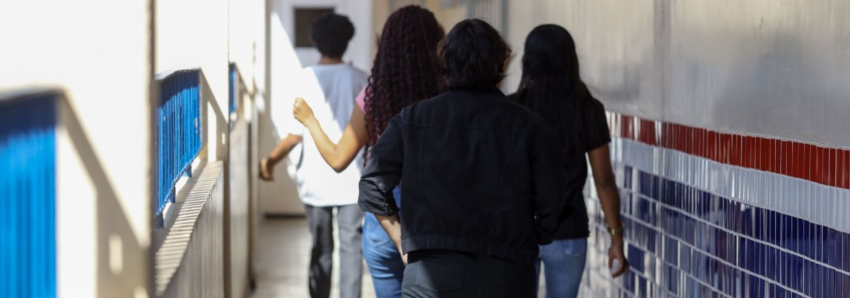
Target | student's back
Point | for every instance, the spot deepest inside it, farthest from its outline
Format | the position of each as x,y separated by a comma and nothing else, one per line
332,99
470,158
340,84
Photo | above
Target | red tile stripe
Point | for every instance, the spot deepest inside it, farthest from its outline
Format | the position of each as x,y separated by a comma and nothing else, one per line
824,165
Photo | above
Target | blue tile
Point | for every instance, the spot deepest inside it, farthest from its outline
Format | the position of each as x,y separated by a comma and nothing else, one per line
821,243
794,234
785,271
769,226
804,238
800,265
835,281
787,229
829,246
816,243
846,255
771,263
776,229
757,224
772,291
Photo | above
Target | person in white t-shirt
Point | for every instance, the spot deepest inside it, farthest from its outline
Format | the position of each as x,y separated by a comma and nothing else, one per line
331,86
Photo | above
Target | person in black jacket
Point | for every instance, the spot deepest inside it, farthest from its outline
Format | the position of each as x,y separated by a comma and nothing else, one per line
485,179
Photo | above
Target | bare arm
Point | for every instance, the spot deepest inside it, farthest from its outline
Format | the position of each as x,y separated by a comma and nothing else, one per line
338,156
280,151
609,197
392,226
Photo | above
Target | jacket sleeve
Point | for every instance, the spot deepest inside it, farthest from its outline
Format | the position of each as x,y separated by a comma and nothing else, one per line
383,172
549,183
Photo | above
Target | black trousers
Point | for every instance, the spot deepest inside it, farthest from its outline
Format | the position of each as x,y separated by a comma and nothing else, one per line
448,274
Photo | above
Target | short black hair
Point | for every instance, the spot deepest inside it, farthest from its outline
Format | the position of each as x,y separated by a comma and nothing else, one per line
473,55
331,33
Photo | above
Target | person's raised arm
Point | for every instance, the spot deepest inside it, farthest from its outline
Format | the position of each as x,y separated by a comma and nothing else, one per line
338,156
380,177
606,187
280,151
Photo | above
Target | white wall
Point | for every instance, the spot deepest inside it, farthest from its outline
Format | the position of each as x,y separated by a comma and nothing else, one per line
280,196
97,52
358,11
247,49
246,37
194,34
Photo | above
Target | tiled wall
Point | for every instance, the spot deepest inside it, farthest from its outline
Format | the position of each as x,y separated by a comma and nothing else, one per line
712,214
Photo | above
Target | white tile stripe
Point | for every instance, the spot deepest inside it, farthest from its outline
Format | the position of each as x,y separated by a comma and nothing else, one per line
817,203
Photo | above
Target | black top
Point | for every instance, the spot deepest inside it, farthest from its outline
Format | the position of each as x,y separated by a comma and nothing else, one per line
596,135
482,174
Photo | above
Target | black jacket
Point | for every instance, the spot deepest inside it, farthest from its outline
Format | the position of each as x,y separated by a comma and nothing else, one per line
481,173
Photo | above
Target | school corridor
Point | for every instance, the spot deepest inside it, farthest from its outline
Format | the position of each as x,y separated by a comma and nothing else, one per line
131,134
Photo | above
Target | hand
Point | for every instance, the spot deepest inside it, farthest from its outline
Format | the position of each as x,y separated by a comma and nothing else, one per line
266,169
302,111
404,259
615,252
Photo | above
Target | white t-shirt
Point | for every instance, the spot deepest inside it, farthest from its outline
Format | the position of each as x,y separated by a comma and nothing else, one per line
330,91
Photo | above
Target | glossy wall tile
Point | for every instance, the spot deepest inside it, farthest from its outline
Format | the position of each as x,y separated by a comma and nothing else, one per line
712,214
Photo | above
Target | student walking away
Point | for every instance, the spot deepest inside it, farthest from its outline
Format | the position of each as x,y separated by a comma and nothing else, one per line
551,87
484,179
405,71
333,88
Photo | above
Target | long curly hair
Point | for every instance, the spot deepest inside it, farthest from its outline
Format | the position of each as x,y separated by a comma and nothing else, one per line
405,69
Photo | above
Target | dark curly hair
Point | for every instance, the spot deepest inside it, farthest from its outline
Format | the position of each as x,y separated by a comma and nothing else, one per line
331,33
405,69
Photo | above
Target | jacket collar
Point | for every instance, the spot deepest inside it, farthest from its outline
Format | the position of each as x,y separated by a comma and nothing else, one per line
492,90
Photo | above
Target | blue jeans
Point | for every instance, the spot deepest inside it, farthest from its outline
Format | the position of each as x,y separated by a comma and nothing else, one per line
382,257
563,265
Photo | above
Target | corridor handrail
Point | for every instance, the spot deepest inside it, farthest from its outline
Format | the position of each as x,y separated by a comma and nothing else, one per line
178,130
28,122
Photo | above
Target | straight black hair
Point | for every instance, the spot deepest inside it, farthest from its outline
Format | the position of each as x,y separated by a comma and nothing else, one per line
552,87
473,55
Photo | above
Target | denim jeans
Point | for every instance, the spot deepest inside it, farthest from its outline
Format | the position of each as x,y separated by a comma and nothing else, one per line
382,257
563,266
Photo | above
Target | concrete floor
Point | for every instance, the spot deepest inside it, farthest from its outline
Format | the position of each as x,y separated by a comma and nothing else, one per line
283,254
282,259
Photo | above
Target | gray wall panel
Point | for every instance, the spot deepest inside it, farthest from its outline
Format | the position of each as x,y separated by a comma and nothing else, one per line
773,68
759,67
